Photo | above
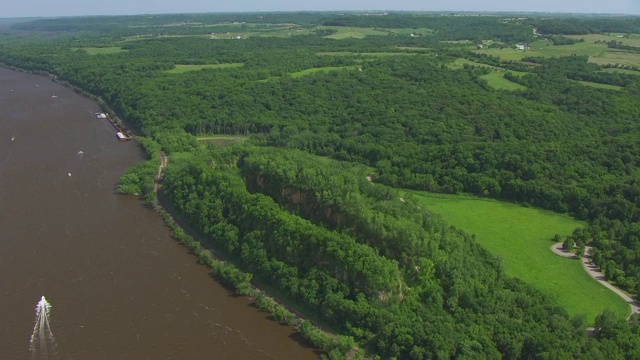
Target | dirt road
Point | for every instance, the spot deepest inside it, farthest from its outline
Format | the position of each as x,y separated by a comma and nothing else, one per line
595,273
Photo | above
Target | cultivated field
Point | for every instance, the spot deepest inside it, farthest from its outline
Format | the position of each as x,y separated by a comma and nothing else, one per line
597,53
522,237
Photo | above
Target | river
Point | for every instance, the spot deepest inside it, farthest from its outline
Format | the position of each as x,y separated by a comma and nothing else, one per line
120,287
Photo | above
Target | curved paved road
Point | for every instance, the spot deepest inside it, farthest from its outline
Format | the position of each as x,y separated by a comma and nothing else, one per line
595,273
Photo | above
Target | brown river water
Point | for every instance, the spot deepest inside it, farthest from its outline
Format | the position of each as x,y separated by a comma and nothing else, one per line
120,287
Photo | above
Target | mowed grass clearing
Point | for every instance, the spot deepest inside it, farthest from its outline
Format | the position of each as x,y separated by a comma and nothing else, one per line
221,140
497,80
601,86
522,238
325,69
179,69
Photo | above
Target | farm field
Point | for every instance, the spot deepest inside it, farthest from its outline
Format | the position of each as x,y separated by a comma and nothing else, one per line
544,48
522,237
625,71
598,53
633,39
344,32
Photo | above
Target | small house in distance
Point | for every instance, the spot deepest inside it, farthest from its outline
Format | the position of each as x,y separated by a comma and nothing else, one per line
522,47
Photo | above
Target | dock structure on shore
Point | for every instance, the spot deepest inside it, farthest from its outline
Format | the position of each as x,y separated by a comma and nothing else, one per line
122,133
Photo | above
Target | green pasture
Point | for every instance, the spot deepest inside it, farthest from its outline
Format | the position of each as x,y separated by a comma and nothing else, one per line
461,62
345,32
522,236
366,54
179,69
103,50
546,49
497,80
633,39
319,69
221,140
623,71
601,86
614,56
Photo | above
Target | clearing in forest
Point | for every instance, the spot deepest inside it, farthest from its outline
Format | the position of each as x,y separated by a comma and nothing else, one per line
103,50
325,69
221,140
179,69
522,237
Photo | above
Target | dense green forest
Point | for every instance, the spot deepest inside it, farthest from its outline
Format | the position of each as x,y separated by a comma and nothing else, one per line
375,95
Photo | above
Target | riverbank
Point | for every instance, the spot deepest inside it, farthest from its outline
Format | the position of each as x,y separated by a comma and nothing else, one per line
242,284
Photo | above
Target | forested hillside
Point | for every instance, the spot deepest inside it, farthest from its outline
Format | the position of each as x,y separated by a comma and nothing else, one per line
419,100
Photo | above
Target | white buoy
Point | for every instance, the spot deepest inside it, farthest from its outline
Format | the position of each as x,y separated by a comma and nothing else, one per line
80,152
69,174
13,137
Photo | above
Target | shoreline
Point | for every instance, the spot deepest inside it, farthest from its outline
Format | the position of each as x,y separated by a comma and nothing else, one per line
259,294
203,254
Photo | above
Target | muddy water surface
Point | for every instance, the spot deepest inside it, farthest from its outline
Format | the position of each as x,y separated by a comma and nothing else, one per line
119,286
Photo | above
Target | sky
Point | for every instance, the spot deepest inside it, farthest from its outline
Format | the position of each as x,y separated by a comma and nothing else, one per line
30,8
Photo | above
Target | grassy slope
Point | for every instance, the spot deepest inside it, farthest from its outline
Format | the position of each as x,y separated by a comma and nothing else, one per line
498,81
522,237
602,86
319,69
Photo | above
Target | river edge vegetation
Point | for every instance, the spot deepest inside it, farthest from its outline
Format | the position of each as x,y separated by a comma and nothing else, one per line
394,279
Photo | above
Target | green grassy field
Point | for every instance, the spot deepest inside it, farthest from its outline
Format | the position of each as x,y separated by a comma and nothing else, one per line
601,86
597,53
614,56
344,32
623,71
319,69
179,69
522,238
221,140
104,50
631,40
497,81
461,62
544,48
367,55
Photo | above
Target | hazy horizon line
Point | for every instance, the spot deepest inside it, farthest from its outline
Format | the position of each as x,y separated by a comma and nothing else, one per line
337,11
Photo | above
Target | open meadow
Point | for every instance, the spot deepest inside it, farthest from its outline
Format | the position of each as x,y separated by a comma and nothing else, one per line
522,237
